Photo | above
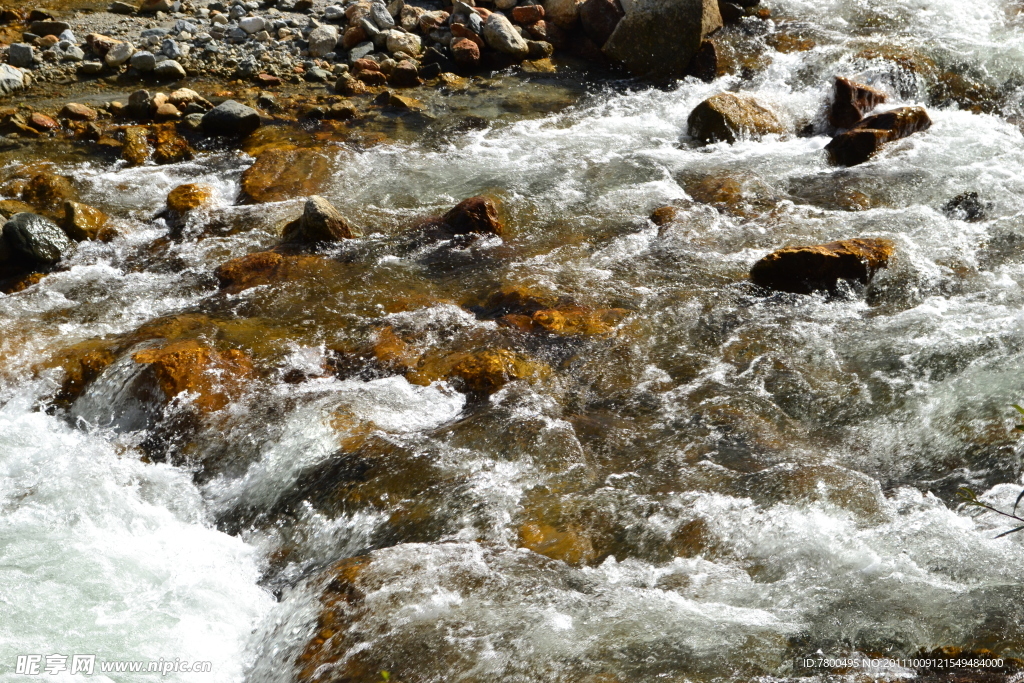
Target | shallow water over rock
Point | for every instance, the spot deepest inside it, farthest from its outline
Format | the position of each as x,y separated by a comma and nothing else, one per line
588,448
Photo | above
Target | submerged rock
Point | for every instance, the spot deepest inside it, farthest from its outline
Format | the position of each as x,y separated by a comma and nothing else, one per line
320,222
967,207
280,174
37,238
850,101
659,38
803,270
47,192
859,144
264,267
727,116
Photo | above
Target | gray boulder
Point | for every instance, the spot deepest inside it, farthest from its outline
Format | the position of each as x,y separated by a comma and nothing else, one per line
21,54
322,40
502,36
170,70
231,118
37,238
659,38
143,61
381,17
11,79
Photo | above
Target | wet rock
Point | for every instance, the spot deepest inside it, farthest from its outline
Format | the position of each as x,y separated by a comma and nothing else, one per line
136,149
803,270
12,79
727,116
859,144
659,38
231,118
489,370
570,545
82,363
501,35
84,222
168,146
280,174
476,215
42,122
185,198
466,53
78,112
9,207
664,215
850,101
599,19
704,65
320,222
47,192
263,268
405,75
38,239
322,40
967,207
213,377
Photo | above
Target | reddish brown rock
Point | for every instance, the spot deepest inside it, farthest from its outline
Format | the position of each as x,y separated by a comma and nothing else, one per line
353,36
466,53
78,112
42,122
850,101
364,64
859,144
263,268
168,146
268,80
664,215
405,75
320,222
463,31
803,270
474,215
489,370
527,14
189,365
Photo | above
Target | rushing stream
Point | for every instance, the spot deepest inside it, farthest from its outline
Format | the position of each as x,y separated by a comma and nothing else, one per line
723,480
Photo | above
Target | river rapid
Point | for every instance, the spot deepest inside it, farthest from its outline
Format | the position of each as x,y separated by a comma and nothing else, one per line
722,481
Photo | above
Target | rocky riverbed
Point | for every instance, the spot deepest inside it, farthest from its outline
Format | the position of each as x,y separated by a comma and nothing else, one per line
512,341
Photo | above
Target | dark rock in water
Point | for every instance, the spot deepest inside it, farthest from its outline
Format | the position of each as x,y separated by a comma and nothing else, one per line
320,222
658,38
704,65
727,116
803,270
477,215
231,118
850,101
599,19
967,207
859,144
37,238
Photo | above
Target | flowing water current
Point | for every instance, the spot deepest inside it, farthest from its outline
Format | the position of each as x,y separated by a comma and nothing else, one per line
723,481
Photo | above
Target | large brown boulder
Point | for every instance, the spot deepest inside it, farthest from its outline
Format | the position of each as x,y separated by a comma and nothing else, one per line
659,38
280,174
850,101
727,117
214,377
859,144
803,270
